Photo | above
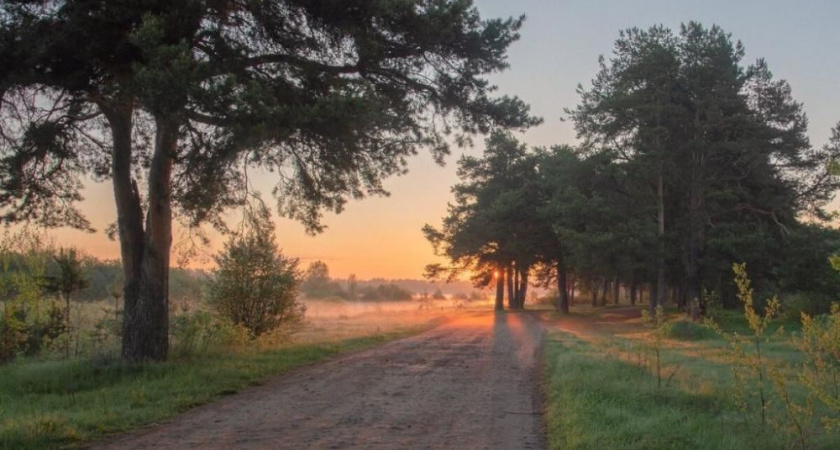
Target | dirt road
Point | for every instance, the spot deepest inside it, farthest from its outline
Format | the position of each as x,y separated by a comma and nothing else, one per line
471,383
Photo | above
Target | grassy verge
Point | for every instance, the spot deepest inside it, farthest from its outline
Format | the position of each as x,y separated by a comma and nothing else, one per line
601,393
65,403
596,401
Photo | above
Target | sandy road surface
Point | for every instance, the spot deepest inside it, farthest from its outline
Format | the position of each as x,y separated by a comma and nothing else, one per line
471,383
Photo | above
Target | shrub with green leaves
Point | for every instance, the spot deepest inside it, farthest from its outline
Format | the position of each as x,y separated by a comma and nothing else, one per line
27,325
660,328
820,374
254,284
762,386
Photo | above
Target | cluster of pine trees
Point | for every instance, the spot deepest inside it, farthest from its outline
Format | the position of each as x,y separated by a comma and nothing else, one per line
688,161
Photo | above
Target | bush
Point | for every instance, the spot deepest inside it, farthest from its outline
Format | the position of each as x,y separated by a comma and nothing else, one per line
200,332
254,285
794,305
690,331
13,335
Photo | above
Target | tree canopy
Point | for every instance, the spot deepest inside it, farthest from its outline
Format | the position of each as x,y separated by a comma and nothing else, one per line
179,99
689,161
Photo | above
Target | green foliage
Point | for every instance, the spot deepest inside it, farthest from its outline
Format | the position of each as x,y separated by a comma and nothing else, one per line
759,381
254,285
820,342
660,328
700,171
324,93
68,279
13,336
202,332
758,323
596,401
333,97
28,323
689,331
596,398
492,228
749,367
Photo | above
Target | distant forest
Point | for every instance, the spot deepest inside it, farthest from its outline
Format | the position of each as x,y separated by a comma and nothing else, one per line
105,278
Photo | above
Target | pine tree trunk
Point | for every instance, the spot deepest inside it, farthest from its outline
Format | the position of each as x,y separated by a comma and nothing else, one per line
562,289
659,299
633,288
692,288
604,290
572,285
129,214
516,287
594,289
146,252
510,290
523,288
500,289
616,290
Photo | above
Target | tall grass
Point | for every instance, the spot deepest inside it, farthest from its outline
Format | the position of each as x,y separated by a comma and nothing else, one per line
600,394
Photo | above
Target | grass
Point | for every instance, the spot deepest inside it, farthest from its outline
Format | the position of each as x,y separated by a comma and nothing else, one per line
65,403
600,392
53,404
597,402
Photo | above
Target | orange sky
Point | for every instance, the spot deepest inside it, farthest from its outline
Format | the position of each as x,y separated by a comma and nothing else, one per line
374,237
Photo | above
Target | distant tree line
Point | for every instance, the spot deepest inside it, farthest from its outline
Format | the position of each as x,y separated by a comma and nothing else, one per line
318,284
689,161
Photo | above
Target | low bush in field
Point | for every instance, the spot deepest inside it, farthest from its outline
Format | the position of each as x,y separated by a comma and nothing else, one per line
689,331
793,305
202,332
254,285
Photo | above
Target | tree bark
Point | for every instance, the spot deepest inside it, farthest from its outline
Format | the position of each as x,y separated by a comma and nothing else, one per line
129,218
660,254
616,290
692,287
594,292
500,289
606,288
572,284
516,286
562,289
522,291
146,320
510,288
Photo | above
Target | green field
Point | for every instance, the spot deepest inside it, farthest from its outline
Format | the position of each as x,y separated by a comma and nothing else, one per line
602,390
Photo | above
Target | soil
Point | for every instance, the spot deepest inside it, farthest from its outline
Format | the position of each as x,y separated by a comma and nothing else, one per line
471,383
